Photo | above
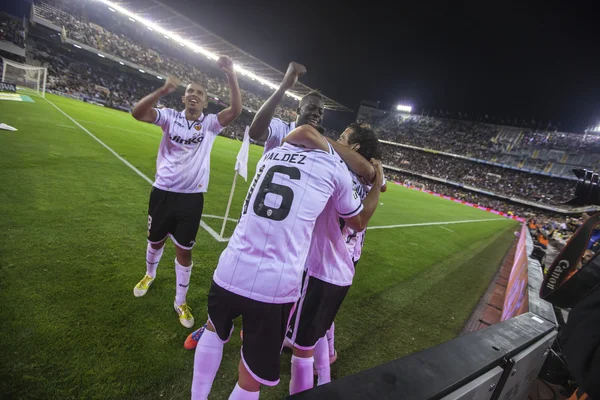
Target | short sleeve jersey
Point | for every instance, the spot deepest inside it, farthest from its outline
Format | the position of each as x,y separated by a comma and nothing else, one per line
267,252
183,161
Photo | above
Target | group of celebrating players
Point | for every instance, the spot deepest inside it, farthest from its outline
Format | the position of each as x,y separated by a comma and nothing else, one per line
292,256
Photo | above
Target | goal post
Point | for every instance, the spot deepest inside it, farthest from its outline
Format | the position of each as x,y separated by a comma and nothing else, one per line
26,76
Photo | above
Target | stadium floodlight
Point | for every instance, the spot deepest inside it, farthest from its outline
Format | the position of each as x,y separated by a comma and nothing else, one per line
405,108
181,44
166,37
187,43
142,71
131,19
101,55
75,45
216,99
150,29
121,62
159,77
111,9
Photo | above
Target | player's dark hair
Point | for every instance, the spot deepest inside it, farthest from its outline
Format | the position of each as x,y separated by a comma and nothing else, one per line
364,135
312,93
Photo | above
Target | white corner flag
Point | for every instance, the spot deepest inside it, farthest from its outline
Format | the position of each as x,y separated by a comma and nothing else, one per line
241,163
241,168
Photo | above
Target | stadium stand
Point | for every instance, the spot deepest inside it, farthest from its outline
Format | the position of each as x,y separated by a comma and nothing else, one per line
504,181
12,30
545,152
140,46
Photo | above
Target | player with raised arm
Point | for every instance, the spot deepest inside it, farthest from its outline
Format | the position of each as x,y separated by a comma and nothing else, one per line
259,274
182,175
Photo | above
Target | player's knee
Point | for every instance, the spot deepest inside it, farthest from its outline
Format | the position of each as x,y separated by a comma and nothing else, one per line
245,380
184,257
303,353
158,246
210,326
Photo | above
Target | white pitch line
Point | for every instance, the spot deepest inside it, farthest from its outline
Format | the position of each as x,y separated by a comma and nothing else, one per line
450,230
218,217
211,231
66,126
436,223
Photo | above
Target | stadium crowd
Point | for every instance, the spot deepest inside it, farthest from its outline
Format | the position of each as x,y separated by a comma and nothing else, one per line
471,138
11,30
503,181
144,48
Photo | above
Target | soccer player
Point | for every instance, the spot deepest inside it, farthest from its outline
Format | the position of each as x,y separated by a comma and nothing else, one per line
259,274
333,255
182,174
327,285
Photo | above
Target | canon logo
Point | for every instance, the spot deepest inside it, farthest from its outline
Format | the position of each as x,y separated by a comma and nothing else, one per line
562,265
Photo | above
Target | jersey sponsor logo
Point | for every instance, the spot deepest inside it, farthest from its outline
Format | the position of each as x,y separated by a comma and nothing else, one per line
286,157
193,140
256,178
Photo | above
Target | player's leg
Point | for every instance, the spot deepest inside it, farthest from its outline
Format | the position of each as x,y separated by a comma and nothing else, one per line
331,343
265,326
222,310
159,223
316,311
321,357
188,212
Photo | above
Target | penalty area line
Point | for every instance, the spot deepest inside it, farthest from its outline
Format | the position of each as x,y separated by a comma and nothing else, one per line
211,231
437,223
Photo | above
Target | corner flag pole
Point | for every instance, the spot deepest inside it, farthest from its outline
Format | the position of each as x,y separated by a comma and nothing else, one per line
241,168
228,204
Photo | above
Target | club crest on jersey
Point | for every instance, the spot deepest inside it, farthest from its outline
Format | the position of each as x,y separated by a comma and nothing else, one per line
197,127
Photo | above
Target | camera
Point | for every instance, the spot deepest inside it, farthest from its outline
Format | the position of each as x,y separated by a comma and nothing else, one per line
587,191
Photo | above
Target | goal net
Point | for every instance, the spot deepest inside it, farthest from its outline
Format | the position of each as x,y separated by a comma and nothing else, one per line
25,76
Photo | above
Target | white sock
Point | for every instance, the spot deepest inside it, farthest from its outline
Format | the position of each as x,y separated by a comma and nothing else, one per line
152,259
330,339
302,374
207,360
322,361
241,394
182,281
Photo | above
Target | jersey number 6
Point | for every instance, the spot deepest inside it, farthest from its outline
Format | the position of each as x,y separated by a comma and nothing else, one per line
286,193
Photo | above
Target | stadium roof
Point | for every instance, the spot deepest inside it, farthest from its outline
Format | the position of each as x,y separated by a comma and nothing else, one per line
164,18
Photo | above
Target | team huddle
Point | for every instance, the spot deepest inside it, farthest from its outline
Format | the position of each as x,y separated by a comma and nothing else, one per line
291,259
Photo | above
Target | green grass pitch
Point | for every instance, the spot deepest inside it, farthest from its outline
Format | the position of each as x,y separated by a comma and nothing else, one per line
72,245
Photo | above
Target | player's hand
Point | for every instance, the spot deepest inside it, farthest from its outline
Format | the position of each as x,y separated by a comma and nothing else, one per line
294,71
225,63
170,85
378,171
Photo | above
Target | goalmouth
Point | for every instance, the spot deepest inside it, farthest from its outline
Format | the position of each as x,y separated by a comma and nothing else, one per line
25,76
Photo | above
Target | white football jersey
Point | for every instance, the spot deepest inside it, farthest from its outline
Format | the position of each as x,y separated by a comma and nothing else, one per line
277,131
183,161
266,254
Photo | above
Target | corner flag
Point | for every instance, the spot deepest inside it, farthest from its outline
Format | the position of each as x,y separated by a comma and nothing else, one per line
241,163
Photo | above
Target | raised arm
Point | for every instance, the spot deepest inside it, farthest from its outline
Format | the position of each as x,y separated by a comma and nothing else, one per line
360,221
357,163
307,136
234,110
144,109
259,129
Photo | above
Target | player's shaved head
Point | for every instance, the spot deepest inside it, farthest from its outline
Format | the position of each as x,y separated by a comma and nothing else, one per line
194,98
311,110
